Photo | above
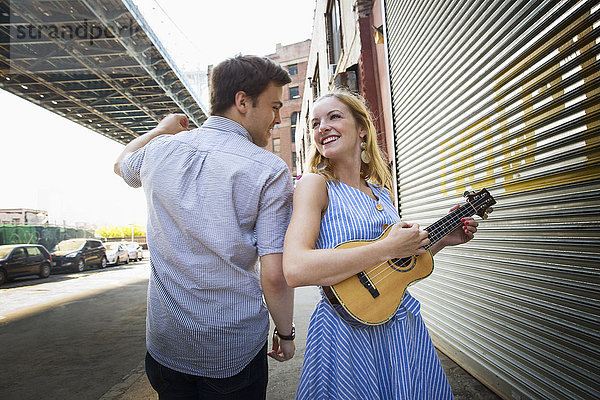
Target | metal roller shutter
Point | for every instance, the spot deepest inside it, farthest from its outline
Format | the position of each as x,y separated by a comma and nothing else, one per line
505,95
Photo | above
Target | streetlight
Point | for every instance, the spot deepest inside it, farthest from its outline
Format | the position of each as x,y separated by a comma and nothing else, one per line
132,226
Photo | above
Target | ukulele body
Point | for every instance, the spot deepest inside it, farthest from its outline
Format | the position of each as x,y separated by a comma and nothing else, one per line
373,296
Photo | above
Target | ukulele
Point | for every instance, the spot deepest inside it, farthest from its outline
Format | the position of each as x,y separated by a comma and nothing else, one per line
373,296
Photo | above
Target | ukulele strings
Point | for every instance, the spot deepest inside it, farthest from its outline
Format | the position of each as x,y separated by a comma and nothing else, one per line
446,222
406,261
434,228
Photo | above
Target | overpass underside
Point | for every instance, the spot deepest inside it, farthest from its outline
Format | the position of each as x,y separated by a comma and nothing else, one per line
95,62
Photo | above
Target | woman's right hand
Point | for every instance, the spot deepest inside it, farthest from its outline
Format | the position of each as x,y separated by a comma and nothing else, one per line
406,240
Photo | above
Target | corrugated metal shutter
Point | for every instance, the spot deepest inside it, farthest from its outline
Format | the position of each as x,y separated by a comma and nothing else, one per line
505,95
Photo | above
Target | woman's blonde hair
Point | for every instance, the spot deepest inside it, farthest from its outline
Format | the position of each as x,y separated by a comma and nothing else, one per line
377,170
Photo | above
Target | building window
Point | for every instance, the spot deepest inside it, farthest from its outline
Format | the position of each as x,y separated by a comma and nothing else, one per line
293,160
294,92
293,69
348,78
276,145
334,31
293,119
314,82
308,129
302,155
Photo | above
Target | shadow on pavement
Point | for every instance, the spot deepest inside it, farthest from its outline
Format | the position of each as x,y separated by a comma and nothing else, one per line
76,350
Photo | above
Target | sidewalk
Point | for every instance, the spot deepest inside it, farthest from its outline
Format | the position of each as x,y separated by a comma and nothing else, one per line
283,377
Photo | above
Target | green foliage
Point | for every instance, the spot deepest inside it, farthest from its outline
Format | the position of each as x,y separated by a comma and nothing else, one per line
124,231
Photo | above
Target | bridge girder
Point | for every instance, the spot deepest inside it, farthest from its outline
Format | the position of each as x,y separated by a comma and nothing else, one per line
95,62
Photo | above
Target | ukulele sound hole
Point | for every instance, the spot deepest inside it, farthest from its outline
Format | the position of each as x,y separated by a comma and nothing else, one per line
403,264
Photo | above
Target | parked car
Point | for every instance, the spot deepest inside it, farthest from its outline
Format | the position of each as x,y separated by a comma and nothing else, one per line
135,250
24,259
116,253
77,254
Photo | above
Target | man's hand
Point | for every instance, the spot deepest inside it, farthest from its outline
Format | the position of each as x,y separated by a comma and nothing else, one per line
282,350
172,124
169,125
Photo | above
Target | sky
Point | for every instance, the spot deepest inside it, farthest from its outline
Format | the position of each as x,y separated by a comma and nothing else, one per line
50,163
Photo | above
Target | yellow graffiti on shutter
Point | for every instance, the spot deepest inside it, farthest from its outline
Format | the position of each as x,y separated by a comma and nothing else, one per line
511,157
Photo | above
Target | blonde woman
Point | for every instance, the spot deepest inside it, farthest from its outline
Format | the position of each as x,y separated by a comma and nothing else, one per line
347,197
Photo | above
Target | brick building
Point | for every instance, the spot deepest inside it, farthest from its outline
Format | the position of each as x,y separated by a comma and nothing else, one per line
294,58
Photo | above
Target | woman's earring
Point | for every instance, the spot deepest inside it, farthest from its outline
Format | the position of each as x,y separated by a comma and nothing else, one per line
364,156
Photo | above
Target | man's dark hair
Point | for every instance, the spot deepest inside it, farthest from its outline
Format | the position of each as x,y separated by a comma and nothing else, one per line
250,74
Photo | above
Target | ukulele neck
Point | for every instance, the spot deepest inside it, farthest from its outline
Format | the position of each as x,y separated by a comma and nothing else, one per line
442,227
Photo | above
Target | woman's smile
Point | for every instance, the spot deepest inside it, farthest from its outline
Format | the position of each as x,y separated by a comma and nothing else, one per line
328,139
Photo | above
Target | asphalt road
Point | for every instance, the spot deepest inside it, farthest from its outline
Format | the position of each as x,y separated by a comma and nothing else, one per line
76,336
71,336
81,336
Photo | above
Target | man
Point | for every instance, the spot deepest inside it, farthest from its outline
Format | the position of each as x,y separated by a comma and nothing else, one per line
216,202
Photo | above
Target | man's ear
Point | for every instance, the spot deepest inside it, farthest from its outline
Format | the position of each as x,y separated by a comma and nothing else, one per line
242,102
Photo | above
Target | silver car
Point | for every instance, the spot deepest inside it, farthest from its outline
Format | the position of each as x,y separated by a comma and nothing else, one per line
135,251
116,253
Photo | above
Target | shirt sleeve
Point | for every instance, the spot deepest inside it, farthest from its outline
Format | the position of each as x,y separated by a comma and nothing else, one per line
274,213
131,167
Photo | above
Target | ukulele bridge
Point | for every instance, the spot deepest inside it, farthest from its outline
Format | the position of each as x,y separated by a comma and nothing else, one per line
366,282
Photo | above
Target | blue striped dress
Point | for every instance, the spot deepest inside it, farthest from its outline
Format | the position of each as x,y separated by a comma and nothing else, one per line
395,360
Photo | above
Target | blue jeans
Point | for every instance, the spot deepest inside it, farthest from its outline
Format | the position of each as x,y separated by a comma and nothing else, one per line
250,383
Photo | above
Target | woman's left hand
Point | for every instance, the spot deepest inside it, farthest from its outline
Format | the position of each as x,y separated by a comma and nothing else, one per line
463,233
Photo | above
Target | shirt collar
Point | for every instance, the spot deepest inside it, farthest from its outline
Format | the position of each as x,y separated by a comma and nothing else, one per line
227,125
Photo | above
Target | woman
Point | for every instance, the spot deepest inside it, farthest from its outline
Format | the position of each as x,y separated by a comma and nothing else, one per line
347,197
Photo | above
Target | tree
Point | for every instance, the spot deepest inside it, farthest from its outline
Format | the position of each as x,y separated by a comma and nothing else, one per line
114,231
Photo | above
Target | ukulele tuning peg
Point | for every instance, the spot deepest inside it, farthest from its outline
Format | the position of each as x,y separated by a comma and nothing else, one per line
485,216
490,209
466,193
